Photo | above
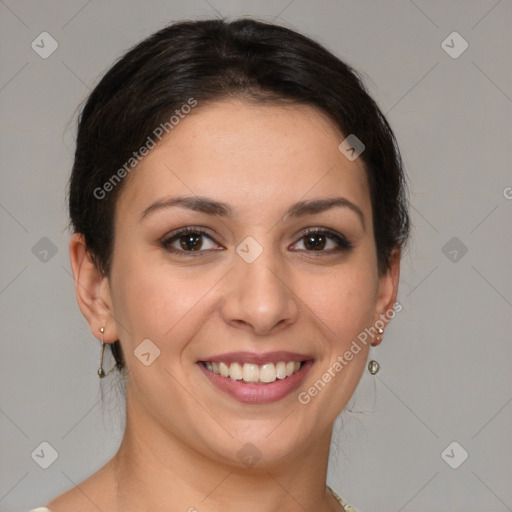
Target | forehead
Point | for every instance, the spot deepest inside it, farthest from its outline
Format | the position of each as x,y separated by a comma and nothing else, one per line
249,155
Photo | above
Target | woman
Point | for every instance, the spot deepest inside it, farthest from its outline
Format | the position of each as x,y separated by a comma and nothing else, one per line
239,211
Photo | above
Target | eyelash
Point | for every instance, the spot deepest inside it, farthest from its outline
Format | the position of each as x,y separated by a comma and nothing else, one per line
338,238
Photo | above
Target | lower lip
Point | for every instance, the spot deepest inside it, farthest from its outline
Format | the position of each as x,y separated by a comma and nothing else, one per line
258,393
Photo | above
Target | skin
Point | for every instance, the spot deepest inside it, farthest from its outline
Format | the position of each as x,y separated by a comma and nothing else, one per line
182,435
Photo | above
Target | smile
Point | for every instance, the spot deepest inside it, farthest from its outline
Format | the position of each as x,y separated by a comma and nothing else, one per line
258,374
256,378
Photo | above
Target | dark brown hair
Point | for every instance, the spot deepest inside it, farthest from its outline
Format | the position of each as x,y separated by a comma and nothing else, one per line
210,60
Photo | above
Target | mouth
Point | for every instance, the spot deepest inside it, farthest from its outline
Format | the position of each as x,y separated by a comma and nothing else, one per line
257,379
254,373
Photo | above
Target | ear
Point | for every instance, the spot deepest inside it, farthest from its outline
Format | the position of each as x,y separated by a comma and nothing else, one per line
387,291
92,290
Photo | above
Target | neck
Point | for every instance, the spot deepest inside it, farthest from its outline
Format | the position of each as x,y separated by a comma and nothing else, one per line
155,471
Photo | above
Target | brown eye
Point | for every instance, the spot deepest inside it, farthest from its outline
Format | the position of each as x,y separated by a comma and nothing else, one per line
316,240
188,241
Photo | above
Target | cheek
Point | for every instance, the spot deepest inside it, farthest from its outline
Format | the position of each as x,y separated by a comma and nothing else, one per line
157,301
344,300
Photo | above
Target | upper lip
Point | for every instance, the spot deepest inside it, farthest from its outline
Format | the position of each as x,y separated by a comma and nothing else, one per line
258,358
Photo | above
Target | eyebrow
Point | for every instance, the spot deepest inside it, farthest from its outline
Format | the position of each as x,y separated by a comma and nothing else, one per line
212,207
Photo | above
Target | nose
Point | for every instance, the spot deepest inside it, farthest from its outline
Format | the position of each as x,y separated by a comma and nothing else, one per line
259,296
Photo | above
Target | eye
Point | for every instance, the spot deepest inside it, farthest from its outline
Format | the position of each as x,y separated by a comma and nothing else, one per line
189,240
316,240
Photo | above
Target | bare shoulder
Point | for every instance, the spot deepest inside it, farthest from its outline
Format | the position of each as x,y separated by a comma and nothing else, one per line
96,492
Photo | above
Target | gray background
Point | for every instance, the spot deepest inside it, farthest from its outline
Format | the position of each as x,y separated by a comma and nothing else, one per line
446,358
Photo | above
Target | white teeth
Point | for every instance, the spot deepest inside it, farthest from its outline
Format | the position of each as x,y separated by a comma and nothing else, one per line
249,372
281,370
268,373
235,371
224,369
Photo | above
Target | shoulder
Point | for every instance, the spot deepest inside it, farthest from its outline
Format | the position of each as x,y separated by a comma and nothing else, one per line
71,500
90,495
343,503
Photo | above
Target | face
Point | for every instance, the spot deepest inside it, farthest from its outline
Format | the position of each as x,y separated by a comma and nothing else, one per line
262,294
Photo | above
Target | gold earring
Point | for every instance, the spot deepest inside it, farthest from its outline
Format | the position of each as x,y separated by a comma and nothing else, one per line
374,366
101,371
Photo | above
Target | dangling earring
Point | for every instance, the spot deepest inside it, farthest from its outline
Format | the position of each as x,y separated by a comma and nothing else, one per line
374,366
101,371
